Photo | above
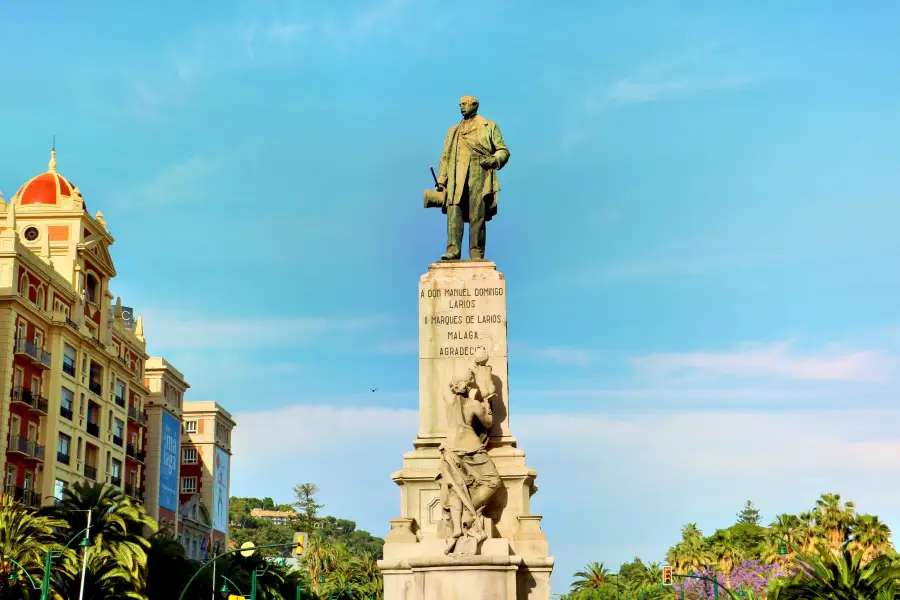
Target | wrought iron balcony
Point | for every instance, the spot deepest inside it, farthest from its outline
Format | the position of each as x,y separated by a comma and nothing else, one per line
134,491
36,451
120,401
63,458
18,445
23,395
137,416
95,387
26,348
68,367
40,404
134,453
93,429
115,481
117,440
42,358
90,472
65,412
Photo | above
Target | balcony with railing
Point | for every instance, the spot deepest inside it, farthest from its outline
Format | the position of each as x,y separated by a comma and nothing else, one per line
62,457
90,472
36,451
134,491
68,366
115,481
93,429
96,387
33,400
137,416
17,445
26,348
120,401
132,452
42,358
23,495
65,412
117,440
40,405
22,395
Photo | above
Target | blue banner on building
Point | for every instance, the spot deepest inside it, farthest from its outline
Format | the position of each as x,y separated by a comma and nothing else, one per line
168,462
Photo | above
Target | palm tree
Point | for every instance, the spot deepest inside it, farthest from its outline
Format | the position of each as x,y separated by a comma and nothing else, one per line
168,567
25,538
727,553
593,576
871,537
834,519
106,579
117,524
842,576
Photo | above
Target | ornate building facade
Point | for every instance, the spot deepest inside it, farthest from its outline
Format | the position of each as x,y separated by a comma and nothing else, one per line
80,399
73,367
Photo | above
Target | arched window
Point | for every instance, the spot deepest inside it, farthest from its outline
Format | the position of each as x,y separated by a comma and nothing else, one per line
92,288
23,284
40,298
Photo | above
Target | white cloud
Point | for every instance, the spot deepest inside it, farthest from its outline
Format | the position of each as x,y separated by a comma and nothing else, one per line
176,182
560,355
772,360
398,347
184,331
628,91
611,487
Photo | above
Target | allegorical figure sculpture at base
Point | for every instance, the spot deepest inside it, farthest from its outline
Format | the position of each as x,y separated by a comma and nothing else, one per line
468,476
467,184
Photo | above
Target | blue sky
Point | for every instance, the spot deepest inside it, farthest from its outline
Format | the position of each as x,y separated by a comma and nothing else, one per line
697,226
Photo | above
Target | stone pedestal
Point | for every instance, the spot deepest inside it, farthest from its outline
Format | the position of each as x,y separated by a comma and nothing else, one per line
462,307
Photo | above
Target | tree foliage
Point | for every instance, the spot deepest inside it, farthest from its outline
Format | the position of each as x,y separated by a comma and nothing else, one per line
829,551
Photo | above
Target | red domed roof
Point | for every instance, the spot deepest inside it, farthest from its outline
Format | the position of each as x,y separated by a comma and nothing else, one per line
46,188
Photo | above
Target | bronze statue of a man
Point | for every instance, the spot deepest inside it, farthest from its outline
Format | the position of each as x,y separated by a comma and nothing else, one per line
473,153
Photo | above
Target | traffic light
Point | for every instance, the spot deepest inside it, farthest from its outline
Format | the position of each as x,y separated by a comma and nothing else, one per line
299,544
667,576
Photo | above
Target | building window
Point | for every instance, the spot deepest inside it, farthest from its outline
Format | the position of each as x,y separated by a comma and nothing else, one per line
118,432
69,354
63,448
190,426
189,456
58,486
188,485
23,284
65,403
93,288
40,298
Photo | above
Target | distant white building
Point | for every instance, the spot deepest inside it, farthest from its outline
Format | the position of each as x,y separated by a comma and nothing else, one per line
279,517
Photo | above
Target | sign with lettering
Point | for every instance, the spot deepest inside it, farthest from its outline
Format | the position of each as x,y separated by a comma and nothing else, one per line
458,316
168,462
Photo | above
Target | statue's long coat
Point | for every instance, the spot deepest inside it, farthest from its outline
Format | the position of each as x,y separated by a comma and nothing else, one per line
467,143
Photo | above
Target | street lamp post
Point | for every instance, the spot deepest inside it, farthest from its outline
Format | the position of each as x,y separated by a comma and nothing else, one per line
87,538
213,561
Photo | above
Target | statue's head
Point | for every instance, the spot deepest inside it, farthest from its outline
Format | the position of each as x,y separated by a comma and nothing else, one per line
461,384
468,106
481,356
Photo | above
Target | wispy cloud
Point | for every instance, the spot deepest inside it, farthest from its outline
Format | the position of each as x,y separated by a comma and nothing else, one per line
776,360
182,331
176,182
559,354
398,347
627,90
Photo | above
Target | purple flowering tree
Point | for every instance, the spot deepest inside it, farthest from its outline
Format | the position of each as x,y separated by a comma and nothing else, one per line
751,576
